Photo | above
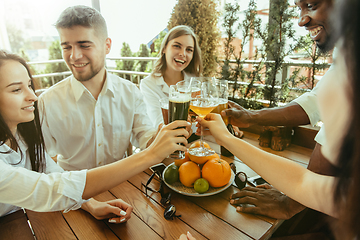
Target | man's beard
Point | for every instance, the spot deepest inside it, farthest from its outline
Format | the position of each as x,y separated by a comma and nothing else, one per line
327,46
87,77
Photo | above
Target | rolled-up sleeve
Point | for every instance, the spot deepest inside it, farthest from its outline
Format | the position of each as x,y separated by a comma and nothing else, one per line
39,191
152,101
142,128
308,102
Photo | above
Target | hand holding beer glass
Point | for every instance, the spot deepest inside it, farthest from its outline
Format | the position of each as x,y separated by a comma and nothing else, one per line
202,105
179,102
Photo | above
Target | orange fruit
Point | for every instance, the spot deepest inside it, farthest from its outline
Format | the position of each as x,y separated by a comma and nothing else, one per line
197,144
189,172
178,162
217,172
202,160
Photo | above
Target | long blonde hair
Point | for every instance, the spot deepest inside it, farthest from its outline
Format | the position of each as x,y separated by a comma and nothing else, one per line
195,67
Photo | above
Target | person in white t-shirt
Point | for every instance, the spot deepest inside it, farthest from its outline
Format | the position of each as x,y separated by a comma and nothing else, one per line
90,118
264,199
23,160
179,59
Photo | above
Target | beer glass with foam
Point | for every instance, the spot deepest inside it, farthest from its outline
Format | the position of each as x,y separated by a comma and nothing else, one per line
179,102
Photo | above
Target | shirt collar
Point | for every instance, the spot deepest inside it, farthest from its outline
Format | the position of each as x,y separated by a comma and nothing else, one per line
20,141
78,88
108,85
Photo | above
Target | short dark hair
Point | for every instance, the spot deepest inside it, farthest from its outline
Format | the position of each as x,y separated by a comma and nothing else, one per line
82,16
29,131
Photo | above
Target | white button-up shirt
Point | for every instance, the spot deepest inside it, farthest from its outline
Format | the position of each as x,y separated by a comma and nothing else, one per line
53,190
153,89
85,132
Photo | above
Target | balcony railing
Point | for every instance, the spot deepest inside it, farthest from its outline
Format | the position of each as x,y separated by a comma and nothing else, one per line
135,76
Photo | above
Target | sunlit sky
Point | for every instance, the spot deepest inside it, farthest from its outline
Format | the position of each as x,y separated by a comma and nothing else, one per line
131,21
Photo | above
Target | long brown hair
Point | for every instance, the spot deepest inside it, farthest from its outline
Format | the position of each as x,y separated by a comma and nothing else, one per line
347,191
195,66
29,131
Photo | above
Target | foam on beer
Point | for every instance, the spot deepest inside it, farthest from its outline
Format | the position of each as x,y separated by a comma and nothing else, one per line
180,97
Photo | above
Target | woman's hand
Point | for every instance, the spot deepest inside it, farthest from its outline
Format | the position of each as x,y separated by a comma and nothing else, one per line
167,139
116,210
214,125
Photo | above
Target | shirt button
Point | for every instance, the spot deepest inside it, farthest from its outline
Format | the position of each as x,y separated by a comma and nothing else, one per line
100,163
99,144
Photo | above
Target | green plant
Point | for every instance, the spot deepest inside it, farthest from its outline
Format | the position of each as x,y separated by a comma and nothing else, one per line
202,16
278,31
235,72
248,26
231,16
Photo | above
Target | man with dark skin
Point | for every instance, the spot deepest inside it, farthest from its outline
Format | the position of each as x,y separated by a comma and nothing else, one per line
267,200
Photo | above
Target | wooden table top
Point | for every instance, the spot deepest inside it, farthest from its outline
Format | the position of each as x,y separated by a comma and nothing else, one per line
211,217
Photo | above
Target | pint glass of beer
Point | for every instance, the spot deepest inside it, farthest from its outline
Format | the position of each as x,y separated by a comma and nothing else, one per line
223,90
179,103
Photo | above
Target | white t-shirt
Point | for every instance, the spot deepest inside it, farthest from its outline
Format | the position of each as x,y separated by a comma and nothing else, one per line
308,101
85,132
52,190
153,89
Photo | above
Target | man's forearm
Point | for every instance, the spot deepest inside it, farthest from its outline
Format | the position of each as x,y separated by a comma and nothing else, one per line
290,115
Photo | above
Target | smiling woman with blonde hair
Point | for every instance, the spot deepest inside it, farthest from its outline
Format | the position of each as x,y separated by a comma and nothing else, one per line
179,59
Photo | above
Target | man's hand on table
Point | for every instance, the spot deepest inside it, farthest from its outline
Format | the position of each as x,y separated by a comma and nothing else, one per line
117,210
267,201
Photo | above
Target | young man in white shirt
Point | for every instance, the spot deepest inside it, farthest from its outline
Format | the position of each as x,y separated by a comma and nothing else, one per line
90,118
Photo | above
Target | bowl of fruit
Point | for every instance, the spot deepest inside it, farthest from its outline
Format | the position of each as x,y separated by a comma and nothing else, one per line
198,176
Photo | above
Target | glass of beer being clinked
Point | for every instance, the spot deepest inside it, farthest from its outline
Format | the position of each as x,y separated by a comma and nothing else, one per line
179,102
202,105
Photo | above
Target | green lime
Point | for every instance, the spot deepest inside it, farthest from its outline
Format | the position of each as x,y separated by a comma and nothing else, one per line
201,185
171,174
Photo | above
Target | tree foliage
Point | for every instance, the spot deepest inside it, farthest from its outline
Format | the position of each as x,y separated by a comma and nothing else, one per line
55,54
157,43
202,17
16,39
127,65
141,66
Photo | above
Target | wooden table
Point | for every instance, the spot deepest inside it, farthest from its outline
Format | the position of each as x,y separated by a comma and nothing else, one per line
209,217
